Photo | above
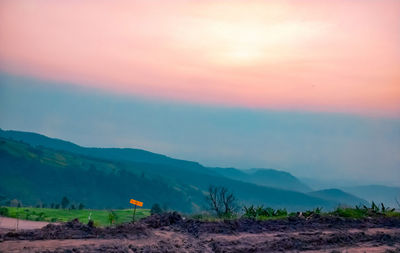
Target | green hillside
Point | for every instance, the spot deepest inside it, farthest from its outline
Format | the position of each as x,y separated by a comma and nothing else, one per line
38,174
35,175
263,177
112,154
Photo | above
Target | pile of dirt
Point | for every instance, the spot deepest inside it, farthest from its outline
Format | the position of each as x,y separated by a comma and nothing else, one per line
170,232
69,230
305,241
162,220
126,230
161,246
76,230
175,222
290,224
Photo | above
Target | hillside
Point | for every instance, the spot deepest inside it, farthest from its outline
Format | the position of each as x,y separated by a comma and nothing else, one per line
265,177
114,154
38,174
339,196
377,193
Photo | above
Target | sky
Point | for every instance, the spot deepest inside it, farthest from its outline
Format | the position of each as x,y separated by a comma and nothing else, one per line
308,86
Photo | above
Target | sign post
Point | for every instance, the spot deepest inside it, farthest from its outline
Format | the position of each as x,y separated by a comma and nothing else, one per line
135,203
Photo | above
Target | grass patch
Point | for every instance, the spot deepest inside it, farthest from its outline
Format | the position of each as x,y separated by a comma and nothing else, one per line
358,212
207,217
264,213
100,217
364,211
393,214
350,213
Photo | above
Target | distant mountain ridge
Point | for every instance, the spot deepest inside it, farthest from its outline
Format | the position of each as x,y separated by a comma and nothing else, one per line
115,154
388,195
265,177
186,179
37,174
339,196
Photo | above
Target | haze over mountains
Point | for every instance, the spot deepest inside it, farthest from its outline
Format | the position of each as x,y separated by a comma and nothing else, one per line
386,194
265,177
36,168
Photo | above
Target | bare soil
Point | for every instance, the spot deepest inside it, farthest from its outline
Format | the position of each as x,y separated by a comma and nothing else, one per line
171,233
11,224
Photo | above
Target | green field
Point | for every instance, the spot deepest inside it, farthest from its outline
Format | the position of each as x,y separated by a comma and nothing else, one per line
100,217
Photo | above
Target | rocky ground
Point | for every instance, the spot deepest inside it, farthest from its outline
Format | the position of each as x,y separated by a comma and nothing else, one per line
171,233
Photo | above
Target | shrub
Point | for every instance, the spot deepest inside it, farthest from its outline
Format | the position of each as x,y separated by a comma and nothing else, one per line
156,209
359,212
112,217
260,212
40,217
64,202
250,212
3,211
281,212
27,214
309,213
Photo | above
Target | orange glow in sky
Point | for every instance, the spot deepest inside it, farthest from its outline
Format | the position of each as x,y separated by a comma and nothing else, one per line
335,56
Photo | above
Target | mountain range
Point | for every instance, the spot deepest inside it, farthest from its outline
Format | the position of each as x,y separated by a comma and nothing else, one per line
38,169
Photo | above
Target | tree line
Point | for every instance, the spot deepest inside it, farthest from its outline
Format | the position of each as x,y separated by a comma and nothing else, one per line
65,203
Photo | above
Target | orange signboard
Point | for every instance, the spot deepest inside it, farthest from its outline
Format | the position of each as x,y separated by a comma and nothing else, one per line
135,202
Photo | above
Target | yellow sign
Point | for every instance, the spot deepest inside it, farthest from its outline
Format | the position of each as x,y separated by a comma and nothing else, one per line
135,202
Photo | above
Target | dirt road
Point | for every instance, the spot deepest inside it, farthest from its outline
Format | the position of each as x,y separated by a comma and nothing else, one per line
172,233
10,224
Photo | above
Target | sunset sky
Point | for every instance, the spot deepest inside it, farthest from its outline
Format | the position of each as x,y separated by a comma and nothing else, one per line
313,68
337,56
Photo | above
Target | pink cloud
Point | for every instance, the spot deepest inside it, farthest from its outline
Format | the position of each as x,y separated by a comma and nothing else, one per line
340,56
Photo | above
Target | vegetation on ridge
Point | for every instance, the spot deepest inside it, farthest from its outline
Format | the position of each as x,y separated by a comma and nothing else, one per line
35,175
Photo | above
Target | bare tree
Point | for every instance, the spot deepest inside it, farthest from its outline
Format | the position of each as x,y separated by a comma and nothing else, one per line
212,199
221,201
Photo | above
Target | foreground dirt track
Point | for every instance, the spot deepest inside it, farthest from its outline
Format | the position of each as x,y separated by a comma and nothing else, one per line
171,233
9,224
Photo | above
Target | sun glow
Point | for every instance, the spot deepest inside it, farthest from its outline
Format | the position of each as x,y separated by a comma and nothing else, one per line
240,44
313,55
234,42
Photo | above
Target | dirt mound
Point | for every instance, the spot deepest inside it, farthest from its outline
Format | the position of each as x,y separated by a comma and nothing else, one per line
162,220
170,232
174,221
161,246
69,230
304,242
293,233
290,224
127,230
76,230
